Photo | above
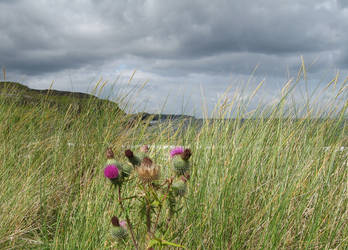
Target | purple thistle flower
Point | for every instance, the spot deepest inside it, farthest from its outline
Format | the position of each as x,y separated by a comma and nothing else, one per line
123,224
176,151
111,172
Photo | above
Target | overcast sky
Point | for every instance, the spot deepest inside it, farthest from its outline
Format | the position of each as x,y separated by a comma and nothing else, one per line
187,51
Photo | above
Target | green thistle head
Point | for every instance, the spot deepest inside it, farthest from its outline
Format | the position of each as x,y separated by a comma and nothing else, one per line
181,166
179,188
126,170
119,233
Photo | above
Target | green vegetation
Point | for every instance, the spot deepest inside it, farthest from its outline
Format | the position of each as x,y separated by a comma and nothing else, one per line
14,93
261,183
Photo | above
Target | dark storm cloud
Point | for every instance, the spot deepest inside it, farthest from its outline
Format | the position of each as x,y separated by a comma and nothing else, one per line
47,36
41,36
342,3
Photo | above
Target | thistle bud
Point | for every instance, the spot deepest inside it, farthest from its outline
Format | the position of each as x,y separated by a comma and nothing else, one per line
132,158
186,154
119,230
179,188
126,170
144,149
123,224
129,153
115,222
110,153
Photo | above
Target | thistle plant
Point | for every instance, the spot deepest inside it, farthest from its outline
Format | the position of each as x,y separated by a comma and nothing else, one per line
156,197
119,229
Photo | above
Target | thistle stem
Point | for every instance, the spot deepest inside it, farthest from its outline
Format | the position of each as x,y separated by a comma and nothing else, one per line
148,220
157,219
131,197
148,213
127,218
164,198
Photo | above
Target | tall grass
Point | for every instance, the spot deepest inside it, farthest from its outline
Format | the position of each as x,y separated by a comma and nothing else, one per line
267,182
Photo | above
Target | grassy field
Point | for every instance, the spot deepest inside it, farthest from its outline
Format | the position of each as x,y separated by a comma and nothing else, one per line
264,183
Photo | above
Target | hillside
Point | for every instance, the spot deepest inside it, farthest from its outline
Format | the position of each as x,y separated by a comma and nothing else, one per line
20,96
16,93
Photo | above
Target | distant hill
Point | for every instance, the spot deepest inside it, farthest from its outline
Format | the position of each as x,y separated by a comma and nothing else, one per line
161,117
19,94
